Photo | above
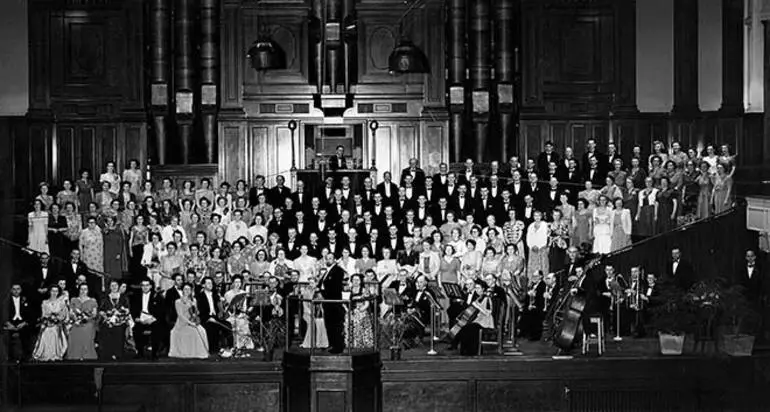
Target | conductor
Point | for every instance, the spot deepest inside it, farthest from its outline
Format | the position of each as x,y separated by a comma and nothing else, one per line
334,312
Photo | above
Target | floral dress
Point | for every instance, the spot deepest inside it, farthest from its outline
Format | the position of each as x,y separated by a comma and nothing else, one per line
85,187
92,248
558,242
51,344
359,329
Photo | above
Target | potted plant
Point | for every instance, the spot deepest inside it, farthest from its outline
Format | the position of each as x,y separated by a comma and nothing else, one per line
271,336
394,334
672,317
737,320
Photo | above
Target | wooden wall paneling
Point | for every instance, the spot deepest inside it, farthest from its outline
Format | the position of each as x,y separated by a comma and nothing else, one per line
530,50
533,140
39,74
110,150
408,146
233,156
135,139
434,145
259,151
282,150
65,150
238,397
579,133
152,398
600,133
382,149
86,153
39,155
22,178
730,131
431,396
494,396
558,135
625,135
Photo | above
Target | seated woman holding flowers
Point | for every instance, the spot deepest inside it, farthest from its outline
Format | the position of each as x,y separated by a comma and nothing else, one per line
52,343
83,331
115,315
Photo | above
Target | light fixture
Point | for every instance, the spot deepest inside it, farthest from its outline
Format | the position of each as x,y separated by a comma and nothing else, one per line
266,54
406,57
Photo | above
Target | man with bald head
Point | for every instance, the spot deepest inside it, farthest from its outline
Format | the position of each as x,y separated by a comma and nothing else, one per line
417,174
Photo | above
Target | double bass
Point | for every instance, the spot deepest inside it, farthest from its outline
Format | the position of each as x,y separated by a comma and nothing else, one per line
570,310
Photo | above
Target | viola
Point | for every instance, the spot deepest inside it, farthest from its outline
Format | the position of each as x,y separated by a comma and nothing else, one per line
469,315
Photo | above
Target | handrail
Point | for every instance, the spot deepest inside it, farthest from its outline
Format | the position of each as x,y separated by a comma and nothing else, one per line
14,245
348,305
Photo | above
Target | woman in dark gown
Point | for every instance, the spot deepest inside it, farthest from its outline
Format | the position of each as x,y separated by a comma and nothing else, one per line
115,251
668,206
57,226
114,313
647,212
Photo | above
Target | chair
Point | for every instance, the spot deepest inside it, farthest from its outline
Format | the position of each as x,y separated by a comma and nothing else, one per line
496,343
598,339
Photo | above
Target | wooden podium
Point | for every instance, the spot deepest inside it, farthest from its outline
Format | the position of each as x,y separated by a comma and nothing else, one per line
332,383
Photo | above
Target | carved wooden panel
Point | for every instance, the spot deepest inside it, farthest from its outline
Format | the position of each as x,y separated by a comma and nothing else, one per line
434,147
429,396
150,398
569,56
238,397
496,396
232,152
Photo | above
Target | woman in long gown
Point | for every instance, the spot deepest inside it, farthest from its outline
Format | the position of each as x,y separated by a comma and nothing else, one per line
631,202
647,213
512,264
115,262
84,188
237,302
558,241
358,321
139,237
44,196
74,227
621,231
114,314
668,206
312,313
703,209
582,233
188,338
83,309
602,223
52,342
537,241
57,227
133,175
67,194
37,238
92,246
723,190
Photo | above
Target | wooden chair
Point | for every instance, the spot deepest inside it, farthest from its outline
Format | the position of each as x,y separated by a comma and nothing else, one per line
598,339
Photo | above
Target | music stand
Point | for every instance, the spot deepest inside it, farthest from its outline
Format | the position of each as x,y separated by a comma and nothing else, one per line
452,290
261,299
433,305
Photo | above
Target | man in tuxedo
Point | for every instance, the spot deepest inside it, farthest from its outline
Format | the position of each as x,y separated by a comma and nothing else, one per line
334,313
532,322
485,205
44,277
337,162
147,312
417,174
211,310
368,192
601,158
279,192
594,172
302,199
20,324
545,157
169,299
387,189
440,179
74,268
679,271
463,203
302,227
467,173
257,190
421,303
752,279
549,197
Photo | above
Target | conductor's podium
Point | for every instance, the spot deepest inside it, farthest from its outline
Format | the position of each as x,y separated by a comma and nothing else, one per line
332,383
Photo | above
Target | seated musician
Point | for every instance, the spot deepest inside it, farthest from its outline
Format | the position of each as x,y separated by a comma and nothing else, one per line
647,296
404,287
469,334
20,324
532,318
211,309
611,292
421,304
586,287
497,294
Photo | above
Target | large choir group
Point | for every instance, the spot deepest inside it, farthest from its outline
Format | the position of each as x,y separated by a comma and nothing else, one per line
195,248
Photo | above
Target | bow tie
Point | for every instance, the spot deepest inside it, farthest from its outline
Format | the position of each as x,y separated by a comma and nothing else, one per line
676,260
751,265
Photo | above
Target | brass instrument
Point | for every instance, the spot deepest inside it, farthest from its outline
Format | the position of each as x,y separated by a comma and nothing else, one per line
617,290
635,301
531,294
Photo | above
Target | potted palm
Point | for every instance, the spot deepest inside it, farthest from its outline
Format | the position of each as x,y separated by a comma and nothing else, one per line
737,320
394,336
672,318
270,335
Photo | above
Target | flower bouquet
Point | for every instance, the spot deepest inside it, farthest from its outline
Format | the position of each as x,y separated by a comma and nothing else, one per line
78,317
116,317
50,320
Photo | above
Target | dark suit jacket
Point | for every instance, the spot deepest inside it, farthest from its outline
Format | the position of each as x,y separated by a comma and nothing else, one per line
542,162
67,272
203,305
393,192
337,163
303,204
155,307
423,304
278,195
38,281
684,277
26,309
333,283
254,195
419,177
754,286
169,299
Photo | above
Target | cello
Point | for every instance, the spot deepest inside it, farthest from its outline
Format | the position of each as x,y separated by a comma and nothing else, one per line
571,311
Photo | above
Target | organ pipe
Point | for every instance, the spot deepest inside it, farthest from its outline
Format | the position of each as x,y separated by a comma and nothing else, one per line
456,76
159,75
480,76
505,76
183,74
209,75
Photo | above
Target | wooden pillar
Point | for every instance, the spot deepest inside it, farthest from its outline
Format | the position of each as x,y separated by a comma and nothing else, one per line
333,43
479,43
209,64
686,57
160,27
766,65
183,76
625,96
349,45
505,73
732,57
456,77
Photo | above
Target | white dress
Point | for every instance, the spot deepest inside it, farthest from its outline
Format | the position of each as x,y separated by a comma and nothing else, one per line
603,222
38,231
